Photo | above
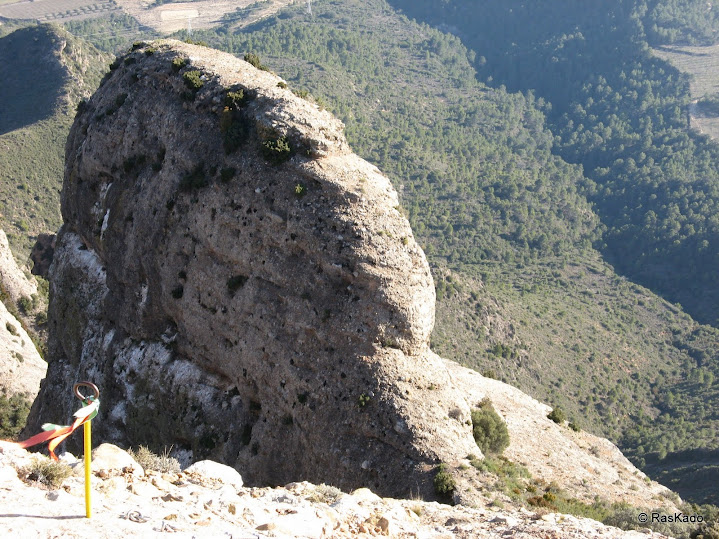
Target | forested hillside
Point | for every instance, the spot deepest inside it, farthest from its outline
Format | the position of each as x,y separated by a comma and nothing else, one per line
45,72
508,223
622,114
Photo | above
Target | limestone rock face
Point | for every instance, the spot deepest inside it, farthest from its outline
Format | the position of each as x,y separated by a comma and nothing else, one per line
12,279
21,366
241,286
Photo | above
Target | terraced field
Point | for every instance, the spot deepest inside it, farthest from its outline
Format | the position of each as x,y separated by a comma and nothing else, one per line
56,10
702,63
198,14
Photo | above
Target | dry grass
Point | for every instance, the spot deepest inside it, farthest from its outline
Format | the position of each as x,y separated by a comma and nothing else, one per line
151,461
47,472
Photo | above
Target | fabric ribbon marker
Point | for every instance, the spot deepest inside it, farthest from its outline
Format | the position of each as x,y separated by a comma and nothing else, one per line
88,436
55,434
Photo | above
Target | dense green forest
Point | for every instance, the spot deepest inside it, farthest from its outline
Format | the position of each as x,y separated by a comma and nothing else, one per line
510,194
622,114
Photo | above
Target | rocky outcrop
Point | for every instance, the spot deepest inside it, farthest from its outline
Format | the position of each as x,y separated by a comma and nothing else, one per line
241,286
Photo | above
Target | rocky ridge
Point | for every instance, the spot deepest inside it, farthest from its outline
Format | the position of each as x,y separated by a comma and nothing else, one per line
209,500
244,288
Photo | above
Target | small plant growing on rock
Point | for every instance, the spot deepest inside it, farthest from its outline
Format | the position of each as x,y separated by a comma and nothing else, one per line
557,415
193,80
254,60
227,173
324,494
45,471
363,400
277,150
489,430
194,180
444,483
300,190
179,63
152,461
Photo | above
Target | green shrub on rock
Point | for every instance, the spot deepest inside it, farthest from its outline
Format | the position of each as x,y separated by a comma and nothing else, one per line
444,483
557,415
489,430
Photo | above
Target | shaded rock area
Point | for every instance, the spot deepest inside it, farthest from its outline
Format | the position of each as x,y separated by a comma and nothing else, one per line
130,501
42,253
241,286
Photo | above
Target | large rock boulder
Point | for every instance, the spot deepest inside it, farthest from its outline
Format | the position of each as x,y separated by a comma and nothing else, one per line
241,286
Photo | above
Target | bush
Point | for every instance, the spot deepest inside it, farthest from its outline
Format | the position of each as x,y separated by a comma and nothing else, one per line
277,150
557,415
192,80
13,415
235,99
179,63
489,430
254,60
444,483
236,282
152,461
324,494
47,472
194,180
227,173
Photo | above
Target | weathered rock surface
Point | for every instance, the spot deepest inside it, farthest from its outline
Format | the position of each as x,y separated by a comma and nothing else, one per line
190,504
12,278
271,315
269,310
21,366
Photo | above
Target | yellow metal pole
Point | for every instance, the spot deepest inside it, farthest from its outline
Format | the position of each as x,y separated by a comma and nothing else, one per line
88,451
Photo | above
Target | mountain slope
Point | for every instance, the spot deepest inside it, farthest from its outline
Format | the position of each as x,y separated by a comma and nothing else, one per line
505,225
35,116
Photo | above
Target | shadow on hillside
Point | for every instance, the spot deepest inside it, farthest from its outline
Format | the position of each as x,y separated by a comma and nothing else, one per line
694,475
31,77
